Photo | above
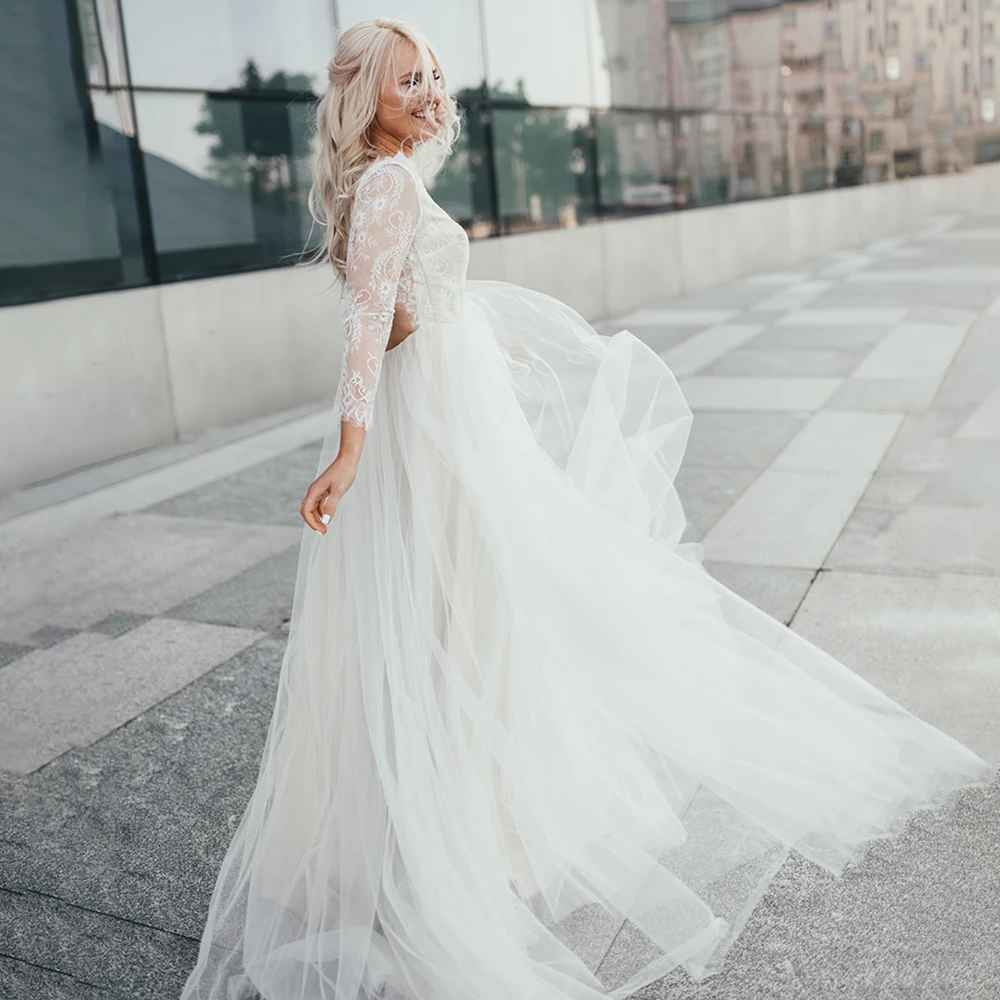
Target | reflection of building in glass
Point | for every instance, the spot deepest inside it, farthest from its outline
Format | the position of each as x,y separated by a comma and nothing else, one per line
152,142
805,94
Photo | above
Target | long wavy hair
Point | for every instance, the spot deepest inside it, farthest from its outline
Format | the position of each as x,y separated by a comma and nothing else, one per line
366,53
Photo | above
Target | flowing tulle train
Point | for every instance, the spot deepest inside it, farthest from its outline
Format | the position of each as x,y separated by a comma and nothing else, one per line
525,747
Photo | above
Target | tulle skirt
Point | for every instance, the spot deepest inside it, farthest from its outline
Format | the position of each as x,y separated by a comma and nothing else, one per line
524,746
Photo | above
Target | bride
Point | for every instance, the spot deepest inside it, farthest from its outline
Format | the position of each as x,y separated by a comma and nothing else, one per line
524,746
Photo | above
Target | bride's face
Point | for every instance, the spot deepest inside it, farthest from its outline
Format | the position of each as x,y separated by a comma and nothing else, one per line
400,112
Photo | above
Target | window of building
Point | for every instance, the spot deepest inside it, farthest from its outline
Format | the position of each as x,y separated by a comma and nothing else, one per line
868,74
988,31
831,29
987,72
876,141
871,39
892,68
832,60
923,59
892,33
788,18
966,81
930,17
965,38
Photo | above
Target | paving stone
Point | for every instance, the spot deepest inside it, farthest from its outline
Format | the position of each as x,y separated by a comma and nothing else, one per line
924,540
755,360
135,825
86,687
24,981
10,651
707,493
267,493
718,392
118,623
928,642
260,597
775,589
141,563
128,958
733,440
49,635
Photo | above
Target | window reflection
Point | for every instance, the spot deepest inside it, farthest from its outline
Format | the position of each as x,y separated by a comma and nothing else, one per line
227,180
601,107
544,167
539,52
207,44
68,202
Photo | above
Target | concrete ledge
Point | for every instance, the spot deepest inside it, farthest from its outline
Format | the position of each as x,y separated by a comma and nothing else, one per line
96,377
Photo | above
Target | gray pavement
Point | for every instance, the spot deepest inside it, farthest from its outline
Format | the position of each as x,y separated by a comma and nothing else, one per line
843,474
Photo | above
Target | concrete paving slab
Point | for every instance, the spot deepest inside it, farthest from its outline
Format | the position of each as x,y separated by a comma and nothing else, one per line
733,392
135,825
817,316
707,493
913,351
86,687
267,493
846,338
796,296
700,350
140,563
260,597
125,957
10,651
739,440
850,441
119,622
669,316
930,643
787,518
774,589
786,361
924,540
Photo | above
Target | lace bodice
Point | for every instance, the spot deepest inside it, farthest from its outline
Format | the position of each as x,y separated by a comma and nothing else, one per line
403,251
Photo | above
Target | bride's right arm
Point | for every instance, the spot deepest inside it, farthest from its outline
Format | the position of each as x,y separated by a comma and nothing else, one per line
384,219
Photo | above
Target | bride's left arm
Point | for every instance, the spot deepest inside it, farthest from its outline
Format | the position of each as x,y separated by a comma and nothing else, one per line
384,219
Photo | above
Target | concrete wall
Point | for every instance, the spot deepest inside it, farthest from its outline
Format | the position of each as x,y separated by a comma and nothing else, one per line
95,377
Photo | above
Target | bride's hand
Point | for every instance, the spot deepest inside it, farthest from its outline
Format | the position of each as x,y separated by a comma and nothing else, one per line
324,494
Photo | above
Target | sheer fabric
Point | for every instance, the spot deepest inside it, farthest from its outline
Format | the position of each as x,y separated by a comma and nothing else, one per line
524,746
384,218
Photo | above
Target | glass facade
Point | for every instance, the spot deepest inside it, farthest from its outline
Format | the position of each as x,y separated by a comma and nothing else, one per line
147,143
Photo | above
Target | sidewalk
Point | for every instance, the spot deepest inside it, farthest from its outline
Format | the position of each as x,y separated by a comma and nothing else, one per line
843,473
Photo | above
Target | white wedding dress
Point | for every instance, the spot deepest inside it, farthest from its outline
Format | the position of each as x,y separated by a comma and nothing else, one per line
525,747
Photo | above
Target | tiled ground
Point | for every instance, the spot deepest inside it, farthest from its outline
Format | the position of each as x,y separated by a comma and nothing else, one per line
843,473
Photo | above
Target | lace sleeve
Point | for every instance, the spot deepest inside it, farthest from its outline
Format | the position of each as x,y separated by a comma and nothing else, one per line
383,220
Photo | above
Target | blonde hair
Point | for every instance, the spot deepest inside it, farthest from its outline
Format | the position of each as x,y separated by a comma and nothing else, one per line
366,53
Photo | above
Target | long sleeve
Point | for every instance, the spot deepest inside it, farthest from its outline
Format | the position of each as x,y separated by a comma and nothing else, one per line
383,221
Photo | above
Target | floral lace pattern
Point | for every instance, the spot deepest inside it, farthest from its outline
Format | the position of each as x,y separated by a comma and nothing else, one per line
404,252
383,223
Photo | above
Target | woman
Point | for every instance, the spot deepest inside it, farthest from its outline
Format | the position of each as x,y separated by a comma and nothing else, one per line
524,746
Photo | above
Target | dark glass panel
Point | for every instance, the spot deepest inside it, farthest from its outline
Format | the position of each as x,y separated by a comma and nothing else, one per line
545,167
